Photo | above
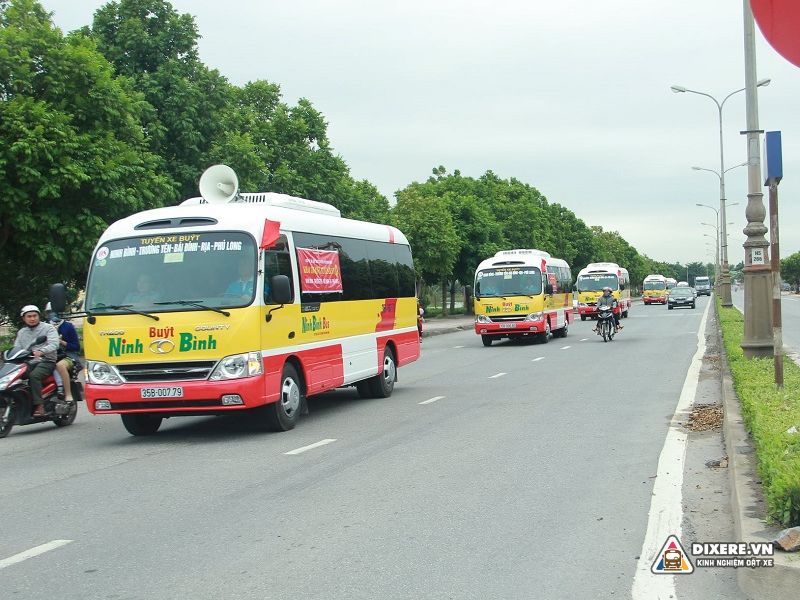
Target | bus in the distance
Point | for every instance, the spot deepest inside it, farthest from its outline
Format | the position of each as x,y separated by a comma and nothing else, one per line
671,283
244,302
591,281
654,289
522,293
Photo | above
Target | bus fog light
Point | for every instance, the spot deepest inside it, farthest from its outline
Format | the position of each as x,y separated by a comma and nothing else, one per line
232,400
102,405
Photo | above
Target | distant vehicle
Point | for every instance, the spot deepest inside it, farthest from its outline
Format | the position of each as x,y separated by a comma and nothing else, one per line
522,293
591,281
683,284
703,286
680,296
786,287
654,289
671,283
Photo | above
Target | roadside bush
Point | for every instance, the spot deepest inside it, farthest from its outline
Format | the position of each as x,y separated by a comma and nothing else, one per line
768,415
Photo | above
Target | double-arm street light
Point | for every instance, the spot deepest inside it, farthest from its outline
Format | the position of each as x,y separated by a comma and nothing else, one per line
725,278
716,252
720,244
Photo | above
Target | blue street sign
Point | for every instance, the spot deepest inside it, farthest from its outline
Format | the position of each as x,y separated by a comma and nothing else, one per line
773,159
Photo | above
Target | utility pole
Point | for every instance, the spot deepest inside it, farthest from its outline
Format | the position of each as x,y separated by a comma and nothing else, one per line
757,340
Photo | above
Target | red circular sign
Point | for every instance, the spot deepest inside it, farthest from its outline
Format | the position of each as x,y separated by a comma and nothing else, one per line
779,21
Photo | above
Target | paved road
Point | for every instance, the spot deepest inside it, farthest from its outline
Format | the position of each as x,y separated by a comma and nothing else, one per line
790,313
514,471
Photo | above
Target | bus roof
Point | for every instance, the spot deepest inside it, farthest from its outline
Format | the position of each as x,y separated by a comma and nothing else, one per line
603,267
521,257
655,278
247,216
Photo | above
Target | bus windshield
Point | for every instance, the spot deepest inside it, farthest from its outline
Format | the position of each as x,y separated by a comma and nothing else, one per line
509,281
595,283
186,271
655,285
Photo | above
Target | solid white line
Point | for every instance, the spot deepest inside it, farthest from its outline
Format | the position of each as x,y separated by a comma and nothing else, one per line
429,400
310,446
18,558
666,511
566,347
536,359
498,375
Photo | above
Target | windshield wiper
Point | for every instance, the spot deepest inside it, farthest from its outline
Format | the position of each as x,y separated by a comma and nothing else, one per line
197,303
125,307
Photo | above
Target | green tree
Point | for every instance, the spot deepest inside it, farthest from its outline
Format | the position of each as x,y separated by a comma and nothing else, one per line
427,223
790,269
73,157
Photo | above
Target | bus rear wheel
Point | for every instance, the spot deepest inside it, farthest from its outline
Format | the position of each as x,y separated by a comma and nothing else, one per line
382,384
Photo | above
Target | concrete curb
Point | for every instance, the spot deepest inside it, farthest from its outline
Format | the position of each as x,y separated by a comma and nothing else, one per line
448,329
781,580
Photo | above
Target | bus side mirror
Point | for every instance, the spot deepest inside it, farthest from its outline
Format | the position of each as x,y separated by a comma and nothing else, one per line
478,290
58,297
548,289
621,286
281,289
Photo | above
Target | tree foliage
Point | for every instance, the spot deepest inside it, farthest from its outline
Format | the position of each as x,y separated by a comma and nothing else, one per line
790,269
73,158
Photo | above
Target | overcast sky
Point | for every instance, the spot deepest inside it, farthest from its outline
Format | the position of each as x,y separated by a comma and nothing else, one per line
572,97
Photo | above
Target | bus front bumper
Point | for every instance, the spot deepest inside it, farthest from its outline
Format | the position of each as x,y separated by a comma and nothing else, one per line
176,397
510,328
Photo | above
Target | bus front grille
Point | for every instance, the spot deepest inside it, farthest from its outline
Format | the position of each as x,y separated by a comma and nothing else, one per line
170,371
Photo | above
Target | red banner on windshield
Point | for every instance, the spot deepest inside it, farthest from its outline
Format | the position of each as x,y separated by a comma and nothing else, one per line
319,271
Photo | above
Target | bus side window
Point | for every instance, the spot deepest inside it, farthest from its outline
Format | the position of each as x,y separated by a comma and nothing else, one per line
276,263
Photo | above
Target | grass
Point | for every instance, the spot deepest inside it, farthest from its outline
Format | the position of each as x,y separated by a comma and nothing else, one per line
768,413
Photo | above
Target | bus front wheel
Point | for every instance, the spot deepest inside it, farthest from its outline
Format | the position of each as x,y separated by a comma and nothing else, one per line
141,423
487,340
283,414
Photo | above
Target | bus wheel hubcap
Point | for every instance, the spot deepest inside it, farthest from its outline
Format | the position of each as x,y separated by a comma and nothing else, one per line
290,396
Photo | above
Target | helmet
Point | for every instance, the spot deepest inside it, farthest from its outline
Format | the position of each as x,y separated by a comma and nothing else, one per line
606,289
29,308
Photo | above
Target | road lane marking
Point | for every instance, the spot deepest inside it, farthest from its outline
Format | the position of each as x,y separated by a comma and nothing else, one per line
566,347
666,514
498,375
537,359
429,400
18,558
458,346
585,340
310,446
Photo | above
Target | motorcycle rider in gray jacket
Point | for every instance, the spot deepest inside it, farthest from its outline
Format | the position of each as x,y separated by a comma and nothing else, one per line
608,300
46,352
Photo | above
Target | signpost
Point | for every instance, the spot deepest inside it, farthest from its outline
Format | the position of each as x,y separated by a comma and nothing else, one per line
773,173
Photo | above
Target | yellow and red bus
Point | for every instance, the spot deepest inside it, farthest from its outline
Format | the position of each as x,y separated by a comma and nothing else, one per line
654,289
252,304
591,281
522,293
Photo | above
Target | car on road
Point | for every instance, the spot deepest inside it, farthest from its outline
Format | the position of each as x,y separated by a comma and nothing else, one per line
681,296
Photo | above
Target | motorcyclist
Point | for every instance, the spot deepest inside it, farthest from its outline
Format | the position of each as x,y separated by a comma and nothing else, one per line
608,300
45,352
68,352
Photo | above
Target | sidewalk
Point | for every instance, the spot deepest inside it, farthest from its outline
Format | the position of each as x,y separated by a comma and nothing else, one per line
449,324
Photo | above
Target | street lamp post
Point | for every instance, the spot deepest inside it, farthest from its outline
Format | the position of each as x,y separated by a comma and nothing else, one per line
716,252
725,277
718,227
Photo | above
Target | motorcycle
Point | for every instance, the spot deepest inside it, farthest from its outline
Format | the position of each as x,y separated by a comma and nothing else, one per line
605,323
16,402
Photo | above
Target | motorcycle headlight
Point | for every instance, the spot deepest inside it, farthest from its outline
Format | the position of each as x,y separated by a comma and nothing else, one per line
537,316
100,373
6,379
237,366
483,319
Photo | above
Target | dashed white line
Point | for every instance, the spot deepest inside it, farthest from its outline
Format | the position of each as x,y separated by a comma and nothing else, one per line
458,346
310,446
566,347
430,400
537,359
585,340
18,558
498,375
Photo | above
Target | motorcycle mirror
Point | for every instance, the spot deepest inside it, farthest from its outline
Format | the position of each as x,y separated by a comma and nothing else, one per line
39,340
58,297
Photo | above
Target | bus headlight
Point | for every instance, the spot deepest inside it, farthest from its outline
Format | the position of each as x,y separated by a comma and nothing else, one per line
237,366
100,373
537,316
483,319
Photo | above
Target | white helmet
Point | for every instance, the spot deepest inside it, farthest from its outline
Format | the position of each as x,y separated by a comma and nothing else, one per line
29,308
